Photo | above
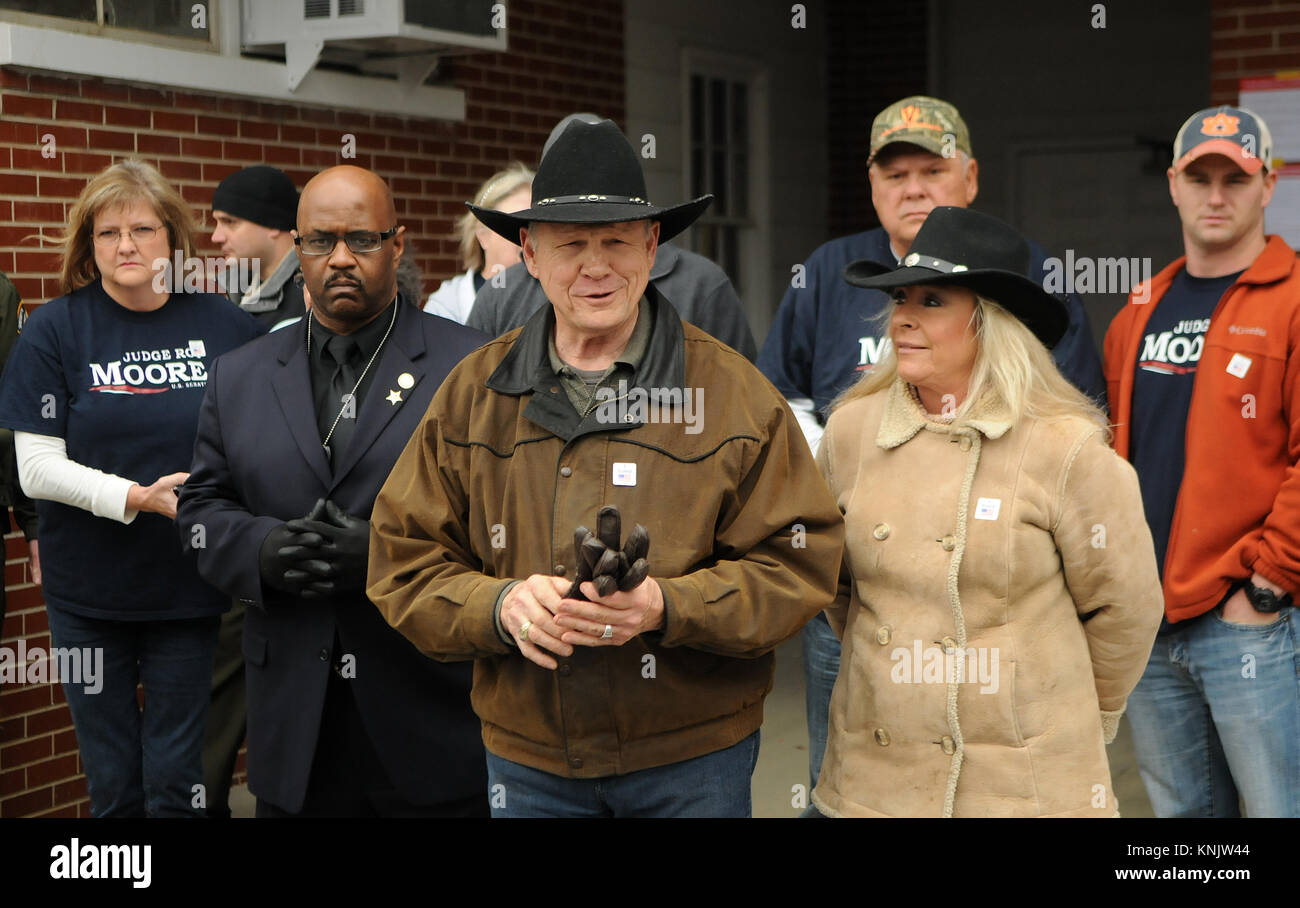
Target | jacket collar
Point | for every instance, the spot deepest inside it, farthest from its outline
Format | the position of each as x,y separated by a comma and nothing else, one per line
1275,263
526,368
904,417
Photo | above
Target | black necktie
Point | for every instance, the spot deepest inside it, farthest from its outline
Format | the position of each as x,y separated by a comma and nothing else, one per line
343,351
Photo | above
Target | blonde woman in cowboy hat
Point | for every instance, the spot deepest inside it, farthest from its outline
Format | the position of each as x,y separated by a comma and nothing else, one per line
999,593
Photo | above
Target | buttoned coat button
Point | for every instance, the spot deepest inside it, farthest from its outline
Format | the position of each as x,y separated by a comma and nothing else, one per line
564,669
566,471
949,543
575,762
560,570
965,444
324,655
882,634
881,531
882,737
949,745
949,645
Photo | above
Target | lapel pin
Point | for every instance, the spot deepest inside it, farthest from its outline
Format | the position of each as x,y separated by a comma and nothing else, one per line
406,380
394,397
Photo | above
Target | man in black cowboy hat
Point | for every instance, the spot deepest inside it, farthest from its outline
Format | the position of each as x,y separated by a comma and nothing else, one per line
643,701
698,289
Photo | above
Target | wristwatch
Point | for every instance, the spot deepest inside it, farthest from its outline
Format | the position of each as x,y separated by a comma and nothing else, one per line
1265,600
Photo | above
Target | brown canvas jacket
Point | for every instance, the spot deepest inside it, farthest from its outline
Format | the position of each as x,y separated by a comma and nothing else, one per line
745,543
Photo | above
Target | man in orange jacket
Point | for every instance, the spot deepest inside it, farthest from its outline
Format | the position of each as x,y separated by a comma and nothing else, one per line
1204,383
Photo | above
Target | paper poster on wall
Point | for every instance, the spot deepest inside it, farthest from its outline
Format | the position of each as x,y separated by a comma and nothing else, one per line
1283,213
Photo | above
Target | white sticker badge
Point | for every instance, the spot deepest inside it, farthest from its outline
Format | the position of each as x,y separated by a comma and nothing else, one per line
987,508
624,474
1239,365
198,349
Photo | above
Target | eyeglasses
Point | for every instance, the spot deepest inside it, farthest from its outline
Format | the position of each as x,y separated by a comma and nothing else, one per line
141,234
359,241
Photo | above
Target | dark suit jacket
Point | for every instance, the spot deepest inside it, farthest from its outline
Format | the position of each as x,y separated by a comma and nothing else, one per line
257,463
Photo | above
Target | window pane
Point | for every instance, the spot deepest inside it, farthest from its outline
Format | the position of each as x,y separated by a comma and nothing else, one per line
739,114
697,172
718,110
740,185
718,183
697,109
83,10
473,16
164,17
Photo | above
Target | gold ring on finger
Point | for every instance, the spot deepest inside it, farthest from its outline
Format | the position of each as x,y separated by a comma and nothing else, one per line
523,630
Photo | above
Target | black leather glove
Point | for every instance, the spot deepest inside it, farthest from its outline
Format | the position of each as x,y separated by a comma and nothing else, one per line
345,551
601,562
288,559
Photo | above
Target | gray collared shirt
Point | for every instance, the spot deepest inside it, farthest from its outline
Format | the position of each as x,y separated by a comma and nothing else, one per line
581,385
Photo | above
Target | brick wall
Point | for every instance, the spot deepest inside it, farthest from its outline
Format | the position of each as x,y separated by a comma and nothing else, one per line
1251,38
563,57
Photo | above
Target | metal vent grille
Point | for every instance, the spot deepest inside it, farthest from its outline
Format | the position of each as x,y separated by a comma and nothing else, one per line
320,9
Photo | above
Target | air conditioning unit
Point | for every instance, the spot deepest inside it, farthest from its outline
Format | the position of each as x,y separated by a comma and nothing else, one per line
400,37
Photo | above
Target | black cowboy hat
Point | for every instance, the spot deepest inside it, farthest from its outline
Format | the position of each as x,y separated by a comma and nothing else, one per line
591,175
970,249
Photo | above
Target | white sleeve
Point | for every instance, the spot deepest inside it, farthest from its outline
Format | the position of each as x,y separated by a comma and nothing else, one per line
45,472
806,415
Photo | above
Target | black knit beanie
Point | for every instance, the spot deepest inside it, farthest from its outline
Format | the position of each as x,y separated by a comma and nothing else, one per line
261,194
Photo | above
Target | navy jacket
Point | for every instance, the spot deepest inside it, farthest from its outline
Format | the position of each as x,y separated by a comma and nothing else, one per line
257,463
824,335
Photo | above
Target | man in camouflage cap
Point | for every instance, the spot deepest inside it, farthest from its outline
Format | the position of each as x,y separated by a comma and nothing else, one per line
824,337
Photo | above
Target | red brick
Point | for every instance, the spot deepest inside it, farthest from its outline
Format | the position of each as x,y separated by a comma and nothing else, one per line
294,133
12,105
54,719
243,107
11,79
254,129
17,700
149,143
11,132
218,127
12,184
65,741
278,154
1271,19
26,751
216,172
126,116
1288,39
118,141
65,109
27,804
172,121
75,162
194,102
57,770
68,812
104,91
54,86
1266,63
29,289
241,151
36,263
60,187
71,790
13,728
13,781
181,170
1221,46
40,212
36,623
200,148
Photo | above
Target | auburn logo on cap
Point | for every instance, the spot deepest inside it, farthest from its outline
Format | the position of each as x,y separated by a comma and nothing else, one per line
1220,125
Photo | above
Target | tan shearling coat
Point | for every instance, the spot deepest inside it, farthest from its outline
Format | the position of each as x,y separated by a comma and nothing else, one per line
998,603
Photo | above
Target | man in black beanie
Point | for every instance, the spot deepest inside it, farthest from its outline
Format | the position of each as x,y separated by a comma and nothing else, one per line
255,208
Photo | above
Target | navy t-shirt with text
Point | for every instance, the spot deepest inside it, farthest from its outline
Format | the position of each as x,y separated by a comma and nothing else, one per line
1162,394
123,389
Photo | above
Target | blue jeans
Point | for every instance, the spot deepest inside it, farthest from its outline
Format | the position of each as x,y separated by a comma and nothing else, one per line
714,785
141,762
1217,714
821,666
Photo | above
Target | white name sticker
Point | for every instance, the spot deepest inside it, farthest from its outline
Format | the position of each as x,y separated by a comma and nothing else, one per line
987,508
624,474
198,349
1239,365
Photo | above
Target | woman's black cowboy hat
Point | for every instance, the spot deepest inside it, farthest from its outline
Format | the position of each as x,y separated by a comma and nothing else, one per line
970,249
591,175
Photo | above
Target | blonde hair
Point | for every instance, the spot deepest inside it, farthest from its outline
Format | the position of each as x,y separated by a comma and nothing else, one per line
493,192
1012,369
123,183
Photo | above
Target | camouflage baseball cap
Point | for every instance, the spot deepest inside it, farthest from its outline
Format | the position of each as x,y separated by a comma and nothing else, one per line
928,122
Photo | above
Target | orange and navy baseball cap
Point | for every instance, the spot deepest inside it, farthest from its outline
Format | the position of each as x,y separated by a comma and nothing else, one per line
1234,132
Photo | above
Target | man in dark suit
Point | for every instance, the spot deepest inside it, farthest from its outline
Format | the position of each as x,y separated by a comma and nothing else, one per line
298,431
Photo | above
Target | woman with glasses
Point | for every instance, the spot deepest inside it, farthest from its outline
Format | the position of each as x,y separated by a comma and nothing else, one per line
103,392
